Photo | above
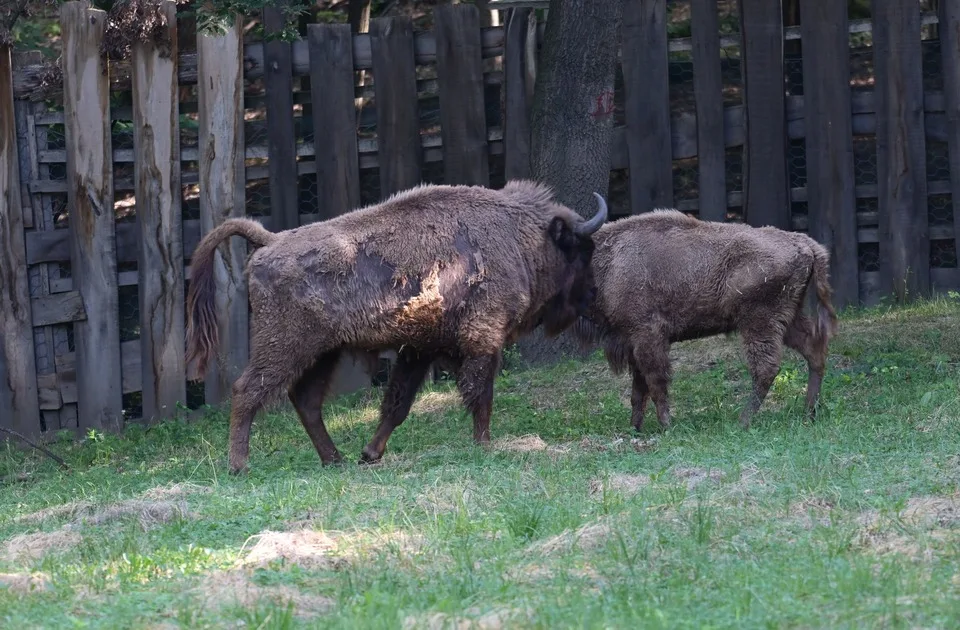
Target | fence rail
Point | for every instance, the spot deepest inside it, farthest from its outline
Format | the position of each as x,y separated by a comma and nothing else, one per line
863,155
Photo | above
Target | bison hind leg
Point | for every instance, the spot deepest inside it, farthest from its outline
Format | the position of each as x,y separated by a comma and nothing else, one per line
307,396
763,349
407,376
638,399
651,358
475,382
801,337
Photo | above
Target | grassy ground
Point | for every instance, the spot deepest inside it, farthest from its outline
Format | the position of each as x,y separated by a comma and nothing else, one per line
572,520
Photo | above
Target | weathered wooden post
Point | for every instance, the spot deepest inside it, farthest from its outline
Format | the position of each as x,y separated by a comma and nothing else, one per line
156,144
19,403
222,194
93,259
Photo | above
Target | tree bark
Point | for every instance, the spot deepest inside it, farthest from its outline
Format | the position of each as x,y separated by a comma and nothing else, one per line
572,120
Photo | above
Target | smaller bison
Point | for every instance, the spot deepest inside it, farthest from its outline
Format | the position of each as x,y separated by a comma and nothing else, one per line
664,276
446,274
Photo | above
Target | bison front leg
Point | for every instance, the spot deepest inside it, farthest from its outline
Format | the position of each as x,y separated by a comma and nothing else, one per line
307,396
475,382
405,379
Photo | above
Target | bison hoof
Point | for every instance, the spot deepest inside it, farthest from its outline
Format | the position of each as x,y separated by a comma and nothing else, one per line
368,458
239,470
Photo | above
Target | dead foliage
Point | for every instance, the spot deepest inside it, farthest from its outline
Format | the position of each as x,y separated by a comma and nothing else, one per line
237,588
470,619
589,536
132,22
619,482
933,519
26,547
24,583
694,476
312,549
147,513
174,491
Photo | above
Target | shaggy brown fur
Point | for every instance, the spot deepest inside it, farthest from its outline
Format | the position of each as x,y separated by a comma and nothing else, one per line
437,273
664,277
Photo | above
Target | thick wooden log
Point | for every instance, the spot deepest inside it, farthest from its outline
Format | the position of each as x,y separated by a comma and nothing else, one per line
19,407
281,136
516,102
708,92
765,182
647,101
93,261
395,83
462,118
831,190
901,150
156,142
222,196
950,53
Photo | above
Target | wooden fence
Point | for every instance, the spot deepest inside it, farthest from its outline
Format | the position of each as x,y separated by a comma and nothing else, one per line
854,140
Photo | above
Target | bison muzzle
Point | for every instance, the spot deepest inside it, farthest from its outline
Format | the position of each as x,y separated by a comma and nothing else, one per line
437,273
664,276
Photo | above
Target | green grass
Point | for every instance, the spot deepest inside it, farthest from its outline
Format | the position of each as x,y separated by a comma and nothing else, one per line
852,520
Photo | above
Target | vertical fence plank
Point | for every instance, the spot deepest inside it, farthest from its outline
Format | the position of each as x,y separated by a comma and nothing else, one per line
19,403
463,122
38,205
708,93
399,154
281,136
156,143
337,158
516,110
766,199
950,53
220,103
93,260
831,198
646,89
901,150
334,118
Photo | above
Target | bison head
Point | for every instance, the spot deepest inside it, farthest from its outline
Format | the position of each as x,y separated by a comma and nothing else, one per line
576,287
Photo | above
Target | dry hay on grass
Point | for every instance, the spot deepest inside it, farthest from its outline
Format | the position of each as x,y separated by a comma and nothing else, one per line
435,402
174,491
446,497
311,549
34,546
236,588
695,476
619,482
148,514
531,443
589,536
811,511
24,583
470,619
935,518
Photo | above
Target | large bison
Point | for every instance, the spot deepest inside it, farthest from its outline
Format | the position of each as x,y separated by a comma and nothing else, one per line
438,273
664,276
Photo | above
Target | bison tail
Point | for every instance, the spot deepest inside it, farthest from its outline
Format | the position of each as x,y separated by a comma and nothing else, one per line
826,325
586,332
202,326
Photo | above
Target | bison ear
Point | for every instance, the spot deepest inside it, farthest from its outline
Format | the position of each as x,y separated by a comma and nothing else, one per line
564,238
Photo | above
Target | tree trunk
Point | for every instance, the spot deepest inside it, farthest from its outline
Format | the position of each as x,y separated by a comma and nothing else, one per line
572,120
359,15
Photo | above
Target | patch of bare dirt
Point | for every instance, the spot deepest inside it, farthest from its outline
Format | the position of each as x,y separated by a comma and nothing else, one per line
472,618
619,482
589,536
34,546
24,583
236,587
323,550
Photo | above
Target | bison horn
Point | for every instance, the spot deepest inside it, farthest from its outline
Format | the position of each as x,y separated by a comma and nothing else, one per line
589,227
